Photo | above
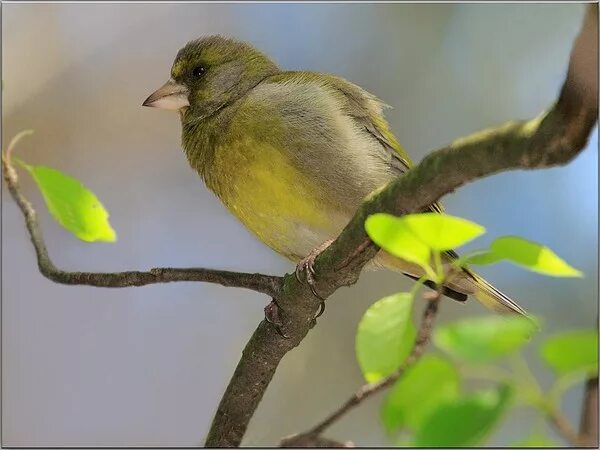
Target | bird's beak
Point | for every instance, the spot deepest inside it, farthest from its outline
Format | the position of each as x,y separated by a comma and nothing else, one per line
171,96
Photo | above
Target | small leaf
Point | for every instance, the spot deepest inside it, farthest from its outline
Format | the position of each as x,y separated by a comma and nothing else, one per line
482,339
423,387
385,336
466,421
441,231
73,205
392,235
572,351
532,256
535,440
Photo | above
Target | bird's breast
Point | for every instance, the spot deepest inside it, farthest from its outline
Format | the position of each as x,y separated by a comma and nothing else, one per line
282,206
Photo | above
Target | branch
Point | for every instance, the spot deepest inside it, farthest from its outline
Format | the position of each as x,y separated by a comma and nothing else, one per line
565,429
368,390
314,442
266,284
588,429
554,138
588,424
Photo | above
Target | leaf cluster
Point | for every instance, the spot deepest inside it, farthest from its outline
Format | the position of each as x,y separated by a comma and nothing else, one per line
430,404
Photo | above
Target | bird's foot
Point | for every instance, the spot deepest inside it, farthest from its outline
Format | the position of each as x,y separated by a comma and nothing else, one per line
273,316
306,265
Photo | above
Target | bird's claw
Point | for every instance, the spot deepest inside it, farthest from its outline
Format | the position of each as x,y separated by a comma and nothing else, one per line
320,311
273,317
306,265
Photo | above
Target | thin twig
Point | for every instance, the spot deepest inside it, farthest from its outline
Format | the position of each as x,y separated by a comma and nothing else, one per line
366,391
548,403
565,429
314,442
265,284
588,423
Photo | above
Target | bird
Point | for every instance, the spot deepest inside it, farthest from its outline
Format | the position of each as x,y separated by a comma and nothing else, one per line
292,154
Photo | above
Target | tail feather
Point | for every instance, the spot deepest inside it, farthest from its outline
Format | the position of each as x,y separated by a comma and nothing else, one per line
463,284
447,291
492,298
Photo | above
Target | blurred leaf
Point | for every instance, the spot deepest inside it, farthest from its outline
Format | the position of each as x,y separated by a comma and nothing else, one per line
481,339
404,440
536,440
480,258
73,205
572,351
466,421
527,254
385,336
423,387
391,234
442,231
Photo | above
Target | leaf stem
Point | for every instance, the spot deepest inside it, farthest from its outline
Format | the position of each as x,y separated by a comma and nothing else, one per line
15,140
545,404
496,374
439,268
563,384
418,284
528,380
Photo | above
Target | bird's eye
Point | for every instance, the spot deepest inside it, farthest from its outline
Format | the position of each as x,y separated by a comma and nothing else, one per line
198,71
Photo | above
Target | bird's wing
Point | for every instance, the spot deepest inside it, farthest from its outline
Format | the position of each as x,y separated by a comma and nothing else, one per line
399,161
367,112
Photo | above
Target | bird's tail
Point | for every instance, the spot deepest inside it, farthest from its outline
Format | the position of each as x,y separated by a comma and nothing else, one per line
463,284
491,297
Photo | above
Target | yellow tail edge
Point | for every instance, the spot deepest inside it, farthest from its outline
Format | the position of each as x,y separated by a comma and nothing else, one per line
494,299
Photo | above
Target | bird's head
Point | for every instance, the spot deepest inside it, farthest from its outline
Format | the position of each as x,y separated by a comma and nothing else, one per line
209,73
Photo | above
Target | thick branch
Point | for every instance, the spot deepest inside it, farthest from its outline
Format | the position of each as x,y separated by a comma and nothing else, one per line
266,284
552,139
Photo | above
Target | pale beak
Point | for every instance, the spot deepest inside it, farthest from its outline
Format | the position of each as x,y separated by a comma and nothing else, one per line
171,96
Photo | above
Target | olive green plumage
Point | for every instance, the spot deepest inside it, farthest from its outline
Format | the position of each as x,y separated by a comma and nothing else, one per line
291,154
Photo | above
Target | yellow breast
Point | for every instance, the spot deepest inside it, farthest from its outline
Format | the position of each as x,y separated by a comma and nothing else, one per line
279,204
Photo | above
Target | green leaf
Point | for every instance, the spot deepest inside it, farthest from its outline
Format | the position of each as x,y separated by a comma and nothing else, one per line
441,231
481,258
466,421
392,235
536,440
423,387
385,336
481,339
73,205
572,351
527,254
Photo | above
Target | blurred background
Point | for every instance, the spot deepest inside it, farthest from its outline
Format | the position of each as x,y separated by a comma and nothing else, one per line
147,366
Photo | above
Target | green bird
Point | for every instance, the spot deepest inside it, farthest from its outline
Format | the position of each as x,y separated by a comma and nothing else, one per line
291,154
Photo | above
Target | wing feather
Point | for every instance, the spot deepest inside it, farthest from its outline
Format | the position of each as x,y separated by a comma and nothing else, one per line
367,111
